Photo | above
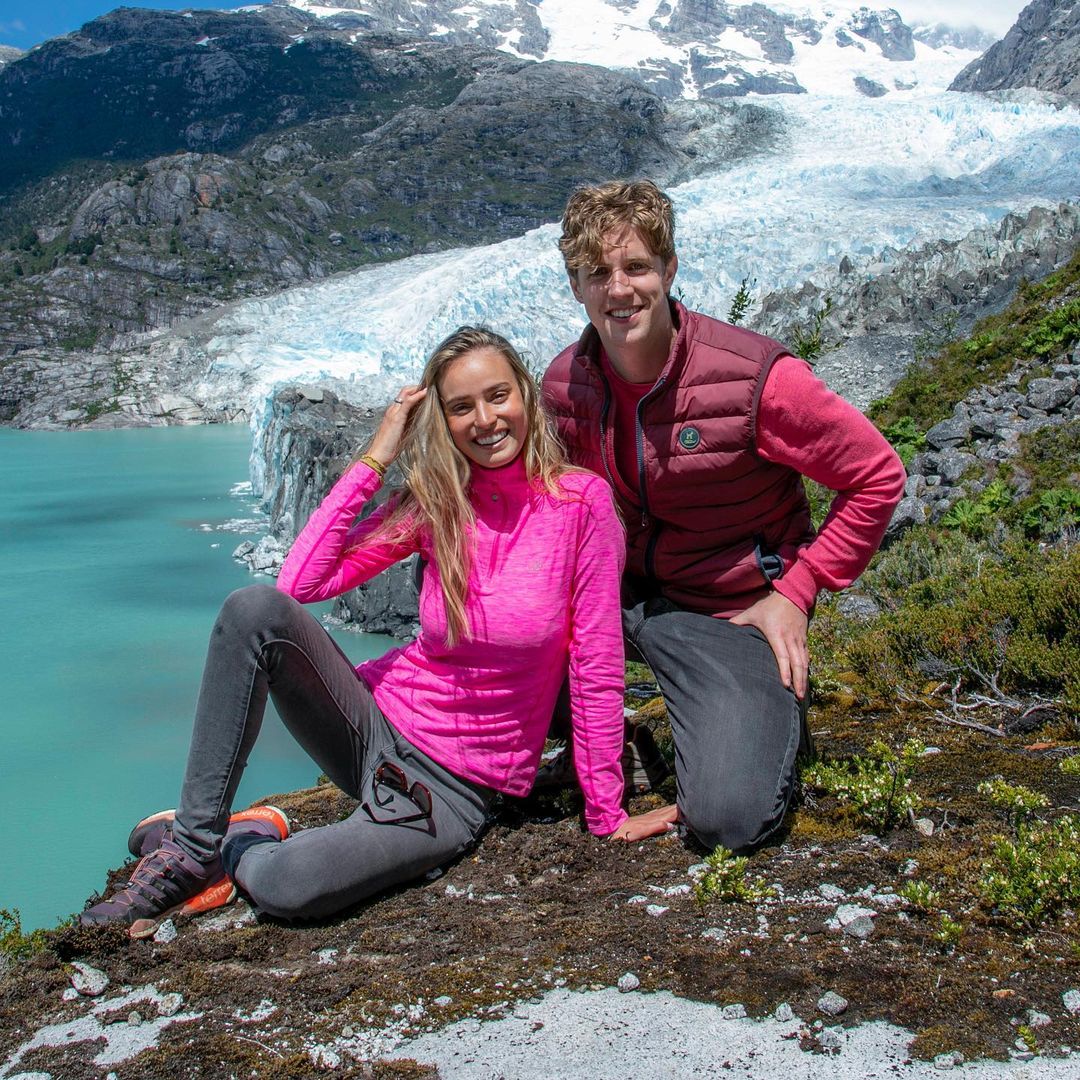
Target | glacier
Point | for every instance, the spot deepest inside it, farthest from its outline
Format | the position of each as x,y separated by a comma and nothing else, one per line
860,178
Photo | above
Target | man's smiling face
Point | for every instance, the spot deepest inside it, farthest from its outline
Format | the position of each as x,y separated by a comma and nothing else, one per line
625,297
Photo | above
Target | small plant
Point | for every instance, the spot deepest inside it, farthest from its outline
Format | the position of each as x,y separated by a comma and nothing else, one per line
1032,878
948,933
972,516
907,440
1071,765
920,894
1027,1034
725,879
877,786
1014,801
741,301
1057,509
13,942
809,343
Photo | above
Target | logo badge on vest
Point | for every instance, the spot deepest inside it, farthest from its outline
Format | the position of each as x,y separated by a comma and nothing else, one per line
689,438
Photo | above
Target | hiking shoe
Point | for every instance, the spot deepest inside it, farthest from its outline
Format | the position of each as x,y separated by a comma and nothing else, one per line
148,834
167,881
644,767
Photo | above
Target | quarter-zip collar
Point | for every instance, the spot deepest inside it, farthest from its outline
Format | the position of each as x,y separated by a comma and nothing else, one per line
507,483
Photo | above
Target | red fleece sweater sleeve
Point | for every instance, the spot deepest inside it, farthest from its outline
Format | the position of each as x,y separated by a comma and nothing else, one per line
802,424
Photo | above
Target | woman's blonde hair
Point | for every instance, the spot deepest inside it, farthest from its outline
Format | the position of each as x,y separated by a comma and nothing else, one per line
594,211
435,494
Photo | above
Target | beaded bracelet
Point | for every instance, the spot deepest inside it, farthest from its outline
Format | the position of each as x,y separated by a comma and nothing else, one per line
373,463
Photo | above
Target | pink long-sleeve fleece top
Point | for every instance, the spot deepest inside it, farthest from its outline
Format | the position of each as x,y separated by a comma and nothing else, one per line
543,599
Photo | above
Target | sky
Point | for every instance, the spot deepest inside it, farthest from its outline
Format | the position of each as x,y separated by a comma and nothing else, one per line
24,23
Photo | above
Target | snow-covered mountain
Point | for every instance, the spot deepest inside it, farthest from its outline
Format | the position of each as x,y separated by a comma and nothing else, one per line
690,48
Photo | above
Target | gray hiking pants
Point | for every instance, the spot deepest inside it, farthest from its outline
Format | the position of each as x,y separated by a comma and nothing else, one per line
265,642
737,727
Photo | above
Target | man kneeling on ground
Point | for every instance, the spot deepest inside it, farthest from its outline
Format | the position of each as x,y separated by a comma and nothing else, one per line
705,431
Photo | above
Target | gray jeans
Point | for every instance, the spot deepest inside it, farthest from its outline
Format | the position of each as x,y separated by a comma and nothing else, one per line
737,728
265,642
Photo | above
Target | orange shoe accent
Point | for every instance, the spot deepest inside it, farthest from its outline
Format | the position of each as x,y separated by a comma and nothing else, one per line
214,896
270,814
218,895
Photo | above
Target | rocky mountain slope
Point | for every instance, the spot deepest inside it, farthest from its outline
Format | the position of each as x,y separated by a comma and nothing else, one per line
300,151
884,310
1042,50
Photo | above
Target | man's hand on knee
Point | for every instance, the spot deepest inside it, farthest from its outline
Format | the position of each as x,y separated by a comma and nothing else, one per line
784,626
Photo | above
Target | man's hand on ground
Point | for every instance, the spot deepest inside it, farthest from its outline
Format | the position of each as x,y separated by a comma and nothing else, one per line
641,826
784,626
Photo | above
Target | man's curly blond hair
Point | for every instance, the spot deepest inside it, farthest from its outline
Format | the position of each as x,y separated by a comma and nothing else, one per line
594,211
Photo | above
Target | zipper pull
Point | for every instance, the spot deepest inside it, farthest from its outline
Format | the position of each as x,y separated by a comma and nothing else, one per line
644,519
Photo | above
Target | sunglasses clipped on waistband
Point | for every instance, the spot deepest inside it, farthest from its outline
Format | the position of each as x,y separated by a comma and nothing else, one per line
390,776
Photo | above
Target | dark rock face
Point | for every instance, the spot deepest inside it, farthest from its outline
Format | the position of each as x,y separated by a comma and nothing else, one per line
1042,50
144,83
869,88
886,30
308,442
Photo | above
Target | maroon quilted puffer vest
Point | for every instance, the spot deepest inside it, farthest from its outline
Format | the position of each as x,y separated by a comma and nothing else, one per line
709,521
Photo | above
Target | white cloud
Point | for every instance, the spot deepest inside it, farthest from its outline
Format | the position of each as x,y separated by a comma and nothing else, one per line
997,16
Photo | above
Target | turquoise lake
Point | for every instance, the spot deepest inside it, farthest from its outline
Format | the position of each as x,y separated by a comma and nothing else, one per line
115,549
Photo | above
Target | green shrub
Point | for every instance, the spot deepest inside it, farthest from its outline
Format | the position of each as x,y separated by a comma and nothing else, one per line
1051,456
1055,510
1071,765
725,879
976,516
1012,613
741,301
1014,801
1032,878
809,342
948,933
919,894
877,786
1058,331
13,942
905,437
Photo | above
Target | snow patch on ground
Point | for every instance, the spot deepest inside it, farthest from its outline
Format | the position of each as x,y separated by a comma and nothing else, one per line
608,1035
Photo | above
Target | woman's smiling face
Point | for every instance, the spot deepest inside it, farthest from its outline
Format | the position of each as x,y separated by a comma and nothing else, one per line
484,410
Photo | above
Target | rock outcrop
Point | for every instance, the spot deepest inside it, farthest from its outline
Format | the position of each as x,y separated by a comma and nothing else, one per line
984,432
882,311
1042,50
307,443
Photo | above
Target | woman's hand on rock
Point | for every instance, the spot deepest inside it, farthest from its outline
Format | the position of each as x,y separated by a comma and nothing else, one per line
641,826
387,442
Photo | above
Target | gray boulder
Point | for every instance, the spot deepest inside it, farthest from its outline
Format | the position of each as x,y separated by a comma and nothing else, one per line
948,433
869,88
1050,394
952,464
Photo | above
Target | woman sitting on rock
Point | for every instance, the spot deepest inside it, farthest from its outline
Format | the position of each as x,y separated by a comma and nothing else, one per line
523,560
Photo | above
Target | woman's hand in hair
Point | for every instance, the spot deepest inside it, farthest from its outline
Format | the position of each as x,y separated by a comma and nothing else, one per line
387,442
641,826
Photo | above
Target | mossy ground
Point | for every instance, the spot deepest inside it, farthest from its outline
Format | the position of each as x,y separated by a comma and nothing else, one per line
540,903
